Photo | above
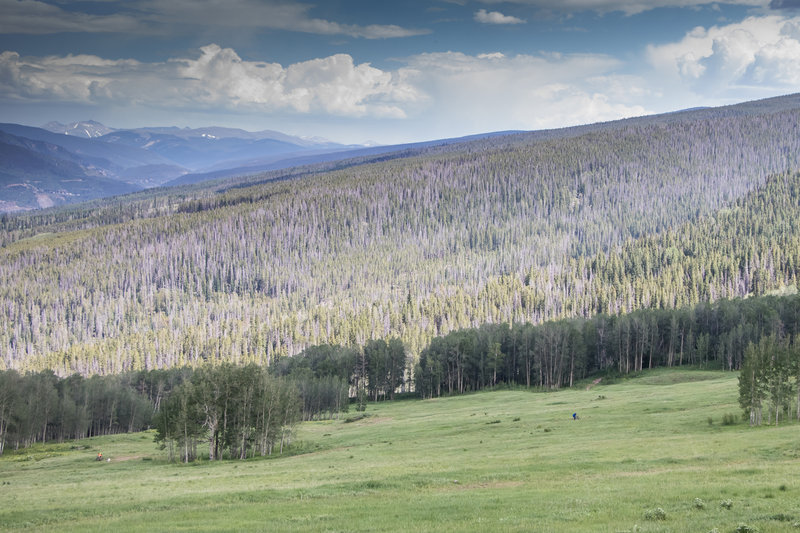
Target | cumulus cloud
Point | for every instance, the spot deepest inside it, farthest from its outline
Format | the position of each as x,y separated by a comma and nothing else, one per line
187,16
759,52
442,94
217,79
71,78
495,17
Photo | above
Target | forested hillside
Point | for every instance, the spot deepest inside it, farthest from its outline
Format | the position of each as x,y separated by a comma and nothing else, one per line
666,212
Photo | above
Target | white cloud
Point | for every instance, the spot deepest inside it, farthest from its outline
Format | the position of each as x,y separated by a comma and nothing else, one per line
440,94
69,78
183,16
495,17
217,79
471,94
629,7
38,18
759,53
272,14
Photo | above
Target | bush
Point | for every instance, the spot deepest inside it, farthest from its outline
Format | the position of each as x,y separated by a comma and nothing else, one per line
726,504
655,514
744,528
729,419
699,504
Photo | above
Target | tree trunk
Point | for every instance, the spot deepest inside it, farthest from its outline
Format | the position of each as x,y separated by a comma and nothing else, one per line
185,443
212,438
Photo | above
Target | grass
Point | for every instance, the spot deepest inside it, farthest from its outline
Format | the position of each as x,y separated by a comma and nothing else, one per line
494,461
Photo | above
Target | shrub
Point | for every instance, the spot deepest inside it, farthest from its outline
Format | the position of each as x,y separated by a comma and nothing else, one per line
726,504
655,514
744,528
729,419
699,504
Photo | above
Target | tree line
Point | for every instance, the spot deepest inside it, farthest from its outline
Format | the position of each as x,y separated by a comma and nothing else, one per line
379,368
555,354
241,410
244,410
41,407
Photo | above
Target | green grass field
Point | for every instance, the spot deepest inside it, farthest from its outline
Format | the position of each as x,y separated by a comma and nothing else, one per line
493,461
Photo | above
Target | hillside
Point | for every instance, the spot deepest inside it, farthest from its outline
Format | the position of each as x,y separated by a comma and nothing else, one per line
498,461
525,227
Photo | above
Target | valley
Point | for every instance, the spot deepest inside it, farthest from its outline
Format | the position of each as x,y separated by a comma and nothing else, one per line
507,460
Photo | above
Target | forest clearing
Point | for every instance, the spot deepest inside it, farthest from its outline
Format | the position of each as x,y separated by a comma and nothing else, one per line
661,450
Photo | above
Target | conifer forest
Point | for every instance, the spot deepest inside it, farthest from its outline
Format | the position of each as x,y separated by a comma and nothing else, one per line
531,259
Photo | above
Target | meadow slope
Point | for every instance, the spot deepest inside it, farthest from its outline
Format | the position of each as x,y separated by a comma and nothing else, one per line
493,461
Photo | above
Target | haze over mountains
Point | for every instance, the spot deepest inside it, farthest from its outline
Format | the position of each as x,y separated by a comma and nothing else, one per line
68,163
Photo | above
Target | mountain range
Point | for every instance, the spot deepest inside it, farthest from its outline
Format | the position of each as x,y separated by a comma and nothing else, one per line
67,163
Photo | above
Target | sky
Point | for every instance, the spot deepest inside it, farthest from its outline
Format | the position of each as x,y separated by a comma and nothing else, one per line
383,71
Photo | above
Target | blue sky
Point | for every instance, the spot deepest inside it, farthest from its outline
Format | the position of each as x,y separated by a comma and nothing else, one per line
387,71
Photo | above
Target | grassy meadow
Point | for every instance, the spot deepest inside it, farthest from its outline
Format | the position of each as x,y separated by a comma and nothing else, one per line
648,453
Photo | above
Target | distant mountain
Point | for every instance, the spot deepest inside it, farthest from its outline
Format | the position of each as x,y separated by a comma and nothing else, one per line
115,157
201,151
58,169
358,155
35,174
216,132
214,148
88,129
142,157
